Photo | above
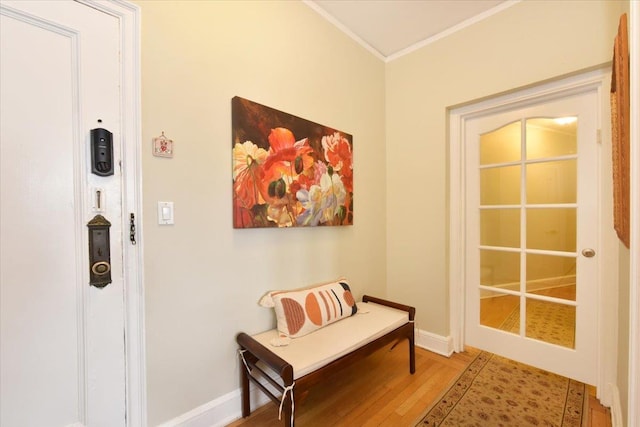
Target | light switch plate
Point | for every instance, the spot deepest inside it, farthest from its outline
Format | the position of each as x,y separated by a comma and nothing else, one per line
165,213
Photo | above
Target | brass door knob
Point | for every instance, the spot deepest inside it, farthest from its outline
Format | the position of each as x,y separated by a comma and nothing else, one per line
100,268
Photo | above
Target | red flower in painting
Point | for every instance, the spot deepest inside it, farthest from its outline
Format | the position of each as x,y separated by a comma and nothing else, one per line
337,151
287,157
241,216
285,153
247,173
247,178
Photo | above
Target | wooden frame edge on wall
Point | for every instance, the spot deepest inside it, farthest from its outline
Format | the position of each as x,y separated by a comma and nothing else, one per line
620,126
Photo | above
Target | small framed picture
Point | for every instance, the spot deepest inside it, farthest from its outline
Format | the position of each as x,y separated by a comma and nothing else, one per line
162,146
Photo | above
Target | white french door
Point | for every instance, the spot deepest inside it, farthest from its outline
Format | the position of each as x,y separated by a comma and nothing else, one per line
62,340
531,234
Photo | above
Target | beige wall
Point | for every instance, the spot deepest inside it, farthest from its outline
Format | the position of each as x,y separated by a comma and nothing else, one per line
527,43
203,278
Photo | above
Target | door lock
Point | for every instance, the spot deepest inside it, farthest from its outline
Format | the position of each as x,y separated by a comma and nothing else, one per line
101,152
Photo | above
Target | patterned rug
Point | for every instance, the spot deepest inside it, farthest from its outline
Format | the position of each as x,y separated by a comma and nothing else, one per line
495,391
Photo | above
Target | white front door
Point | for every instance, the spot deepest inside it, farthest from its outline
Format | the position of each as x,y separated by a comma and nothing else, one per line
531,239
62,340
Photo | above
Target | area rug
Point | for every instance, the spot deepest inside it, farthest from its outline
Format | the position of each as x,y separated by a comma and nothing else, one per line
495,391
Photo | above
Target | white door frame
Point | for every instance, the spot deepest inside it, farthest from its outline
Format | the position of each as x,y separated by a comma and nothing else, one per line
597,79
135,383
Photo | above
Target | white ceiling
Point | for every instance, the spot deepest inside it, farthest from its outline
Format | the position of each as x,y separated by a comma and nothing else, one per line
390,28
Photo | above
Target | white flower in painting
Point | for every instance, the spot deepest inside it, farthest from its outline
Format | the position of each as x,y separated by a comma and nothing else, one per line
322,202
246,156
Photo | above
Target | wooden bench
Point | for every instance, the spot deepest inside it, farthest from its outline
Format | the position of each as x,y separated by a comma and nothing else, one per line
286,374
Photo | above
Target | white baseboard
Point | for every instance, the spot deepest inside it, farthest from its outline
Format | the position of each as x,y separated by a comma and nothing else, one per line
219,412
616,407
227,408
436,343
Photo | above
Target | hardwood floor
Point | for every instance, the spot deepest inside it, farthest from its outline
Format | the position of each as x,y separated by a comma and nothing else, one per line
380,392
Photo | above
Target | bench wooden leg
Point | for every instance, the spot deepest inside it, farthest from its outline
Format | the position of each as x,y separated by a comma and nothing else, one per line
286,411
244,380
412,355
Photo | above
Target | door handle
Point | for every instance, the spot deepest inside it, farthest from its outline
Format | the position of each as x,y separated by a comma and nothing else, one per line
100,268
99,252
588,253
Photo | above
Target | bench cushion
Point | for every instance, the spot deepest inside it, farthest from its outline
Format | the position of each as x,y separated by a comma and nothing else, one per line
323,346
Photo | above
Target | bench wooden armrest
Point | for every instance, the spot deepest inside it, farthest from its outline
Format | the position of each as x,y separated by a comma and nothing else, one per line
272,360
408,309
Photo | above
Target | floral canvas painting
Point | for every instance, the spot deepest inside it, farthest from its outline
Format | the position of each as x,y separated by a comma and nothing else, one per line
288,171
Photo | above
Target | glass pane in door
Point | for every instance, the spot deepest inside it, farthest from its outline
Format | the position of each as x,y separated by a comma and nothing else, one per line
500,311
500,185
500,269
553,276
551,137
500,227
551,229
551,322
501,145
552,182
